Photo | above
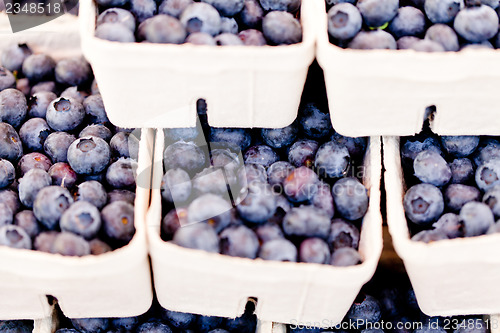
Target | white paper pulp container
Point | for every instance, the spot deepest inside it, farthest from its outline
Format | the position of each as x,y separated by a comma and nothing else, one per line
157,85
286,292
114,284
385,92
450,277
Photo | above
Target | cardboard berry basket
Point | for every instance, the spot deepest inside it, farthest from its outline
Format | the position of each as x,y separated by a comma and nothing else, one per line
385,92
159,84
114,284
450,277
285,292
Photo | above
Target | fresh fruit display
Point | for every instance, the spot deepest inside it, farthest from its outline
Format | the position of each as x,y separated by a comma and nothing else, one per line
388,304
205,22
420,25
160,320
290,194
452,185
67,174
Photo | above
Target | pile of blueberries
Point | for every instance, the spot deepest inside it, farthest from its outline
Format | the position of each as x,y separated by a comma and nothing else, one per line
160,320
205,22
388,304
420,25
17,326
287,194
454,185
67,175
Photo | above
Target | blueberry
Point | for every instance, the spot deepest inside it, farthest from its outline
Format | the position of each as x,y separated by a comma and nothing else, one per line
355,146
44,86
351,198
476,24
224,158
268,231
153,327
323,199
281,28
117,15
172,221
98,130
31,183
143,9
251,173
450,225
442,11
301,185
118,221
278,250
6,214
11,199
81,218
229,25
38,103
306,221
89,155
173,7
121,195
69,244
39,67
332,159
315,123
428,236
239,241
462,171
431,168
226,39
302,153
429,329
91,325
211,180
50,203
13,107
251,15
14,55
411,149
45,241
201,17
56,146
211,209
206,323
65,114
487,175
258,205
492,199
73,71
97,247
115,32
33,134
126,323
477,218
247,323
184,155
423,203
409,21
278,172
112,3
252,37
74,93
232,138
344,21
16,326
33,161
14,236
219,330
7,79
176,186
162,29
7,173
185,133
94,108
199,236
444,35
376,13
27,220
345,256
460,146
121,174
487,153
178,320
457,195
492,3
365,309
279,137
370,40
260,154
226,7
314,250
343,234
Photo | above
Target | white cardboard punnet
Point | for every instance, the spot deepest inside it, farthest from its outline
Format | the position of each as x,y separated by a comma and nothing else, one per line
114,284
157,85
450,277
286,292
385,92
